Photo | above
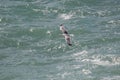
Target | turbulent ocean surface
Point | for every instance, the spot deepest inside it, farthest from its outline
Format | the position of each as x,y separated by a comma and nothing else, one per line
32,47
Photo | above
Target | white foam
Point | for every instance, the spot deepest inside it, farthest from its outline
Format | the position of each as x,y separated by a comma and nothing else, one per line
65,74
66,16
31,30
86,71
49,49
60,67
48,32
76,66
72,35
111,78
59,47
36,10
117,33
0,19
55,11
101,13
80,53
111,21
101,60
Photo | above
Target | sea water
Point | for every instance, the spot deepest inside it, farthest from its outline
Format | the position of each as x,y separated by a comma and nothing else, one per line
32,47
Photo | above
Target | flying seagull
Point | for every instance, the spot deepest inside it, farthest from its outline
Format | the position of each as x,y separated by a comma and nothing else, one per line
62,28
66,35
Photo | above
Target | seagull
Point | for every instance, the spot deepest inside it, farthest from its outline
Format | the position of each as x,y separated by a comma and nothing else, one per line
67,39
62,28
66,35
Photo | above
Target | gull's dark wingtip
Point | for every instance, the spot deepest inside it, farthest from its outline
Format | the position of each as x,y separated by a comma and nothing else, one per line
70,44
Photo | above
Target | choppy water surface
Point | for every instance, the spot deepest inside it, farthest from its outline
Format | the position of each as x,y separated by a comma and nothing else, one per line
31,47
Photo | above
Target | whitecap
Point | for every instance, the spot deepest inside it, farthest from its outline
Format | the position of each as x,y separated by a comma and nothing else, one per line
48,32
31,30
65,74
49,49
66,16
59,67
55,11
111,78
86,71
100,62
76,66
80,53
59,47
72,35
101,13
0,19
103,61
36,10
97,62
111,21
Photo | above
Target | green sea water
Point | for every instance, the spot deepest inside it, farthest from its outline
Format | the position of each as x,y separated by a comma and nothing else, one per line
32,48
